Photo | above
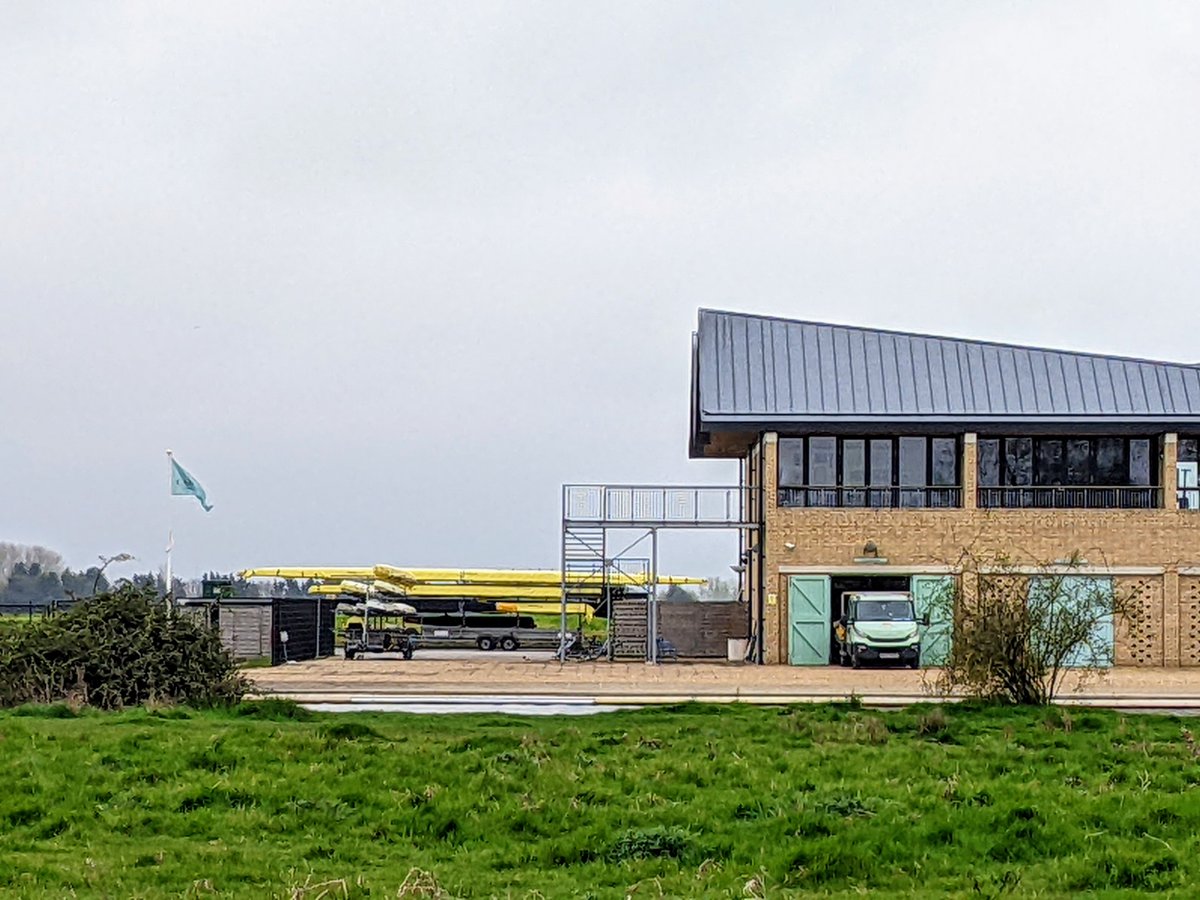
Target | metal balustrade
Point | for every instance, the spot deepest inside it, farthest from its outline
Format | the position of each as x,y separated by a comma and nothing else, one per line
696,506
874,497
1070,497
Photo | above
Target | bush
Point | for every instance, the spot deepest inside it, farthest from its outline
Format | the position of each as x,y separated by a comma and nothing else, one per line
123,648
646,843
1019,629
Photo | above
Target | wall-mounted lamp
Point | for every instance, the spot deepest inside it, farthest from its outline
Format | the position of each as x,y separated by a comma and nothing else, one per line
789,546
870,555
744,558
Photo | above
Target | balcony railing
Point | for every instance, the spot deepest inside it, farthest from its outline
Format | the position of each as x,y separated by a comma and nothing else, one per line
1070,497
666,505
875,497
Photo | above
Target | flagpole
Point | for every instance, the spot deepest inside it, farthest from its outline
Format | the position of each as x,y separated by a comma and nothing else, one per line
170,527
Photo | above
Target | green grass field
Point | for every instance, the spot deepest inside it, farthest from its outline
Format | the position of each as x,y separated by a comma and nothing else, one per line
697,801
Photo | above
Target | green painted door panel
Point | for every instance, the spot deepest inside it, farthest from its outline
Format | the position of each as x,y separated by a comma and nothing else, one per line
936,636
809,626
1098,651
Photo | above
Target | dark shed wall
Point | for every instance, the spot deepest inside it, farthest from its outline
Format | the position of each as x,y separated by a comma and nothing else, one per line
702,630
309,624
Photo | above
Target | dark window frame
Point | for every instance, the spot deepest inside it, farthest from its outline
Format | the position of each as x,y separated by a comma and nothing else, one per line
893,495
1092,491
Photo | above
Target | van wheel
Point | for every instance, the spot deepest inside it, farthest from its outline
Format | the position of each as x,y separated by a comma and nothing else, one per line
509,643
485,643
915,664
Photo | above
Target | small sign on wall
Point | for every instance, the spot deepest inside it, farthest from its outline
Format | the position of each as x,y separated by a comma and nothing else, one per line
771,599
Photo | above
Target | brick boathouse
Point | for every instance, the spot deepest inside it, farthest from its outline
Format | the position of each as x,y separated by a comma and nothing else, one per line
871,459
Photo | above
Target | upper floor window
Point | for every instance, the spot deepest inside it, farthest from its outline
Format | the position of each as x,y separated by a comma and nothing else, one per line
910,471
1187,473
1067,472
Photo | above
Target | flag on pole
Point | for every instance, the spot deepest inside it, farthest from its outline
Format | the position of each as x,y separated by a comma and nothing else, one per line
183,484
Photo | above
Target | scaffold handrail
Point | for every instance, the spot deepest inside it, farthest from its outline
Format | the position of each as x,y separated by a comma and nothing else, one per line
664,506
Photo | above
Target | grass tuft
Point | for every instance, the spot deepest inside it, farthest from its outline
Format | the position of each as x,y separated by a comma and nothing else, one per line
646,843
276,709
350,731
46,711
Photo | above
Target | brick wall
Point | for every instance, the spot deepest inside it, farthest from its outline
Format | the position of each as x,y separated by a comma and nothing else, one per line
1128,544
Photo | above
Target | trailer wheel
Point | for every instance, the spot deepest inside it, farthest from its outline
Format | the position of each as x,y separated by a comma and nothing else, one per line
486,643
509,643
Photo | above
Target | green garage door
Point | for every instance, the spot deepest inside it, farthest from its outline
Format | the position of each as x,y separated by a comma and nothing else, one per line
808,617
1097,651
927,593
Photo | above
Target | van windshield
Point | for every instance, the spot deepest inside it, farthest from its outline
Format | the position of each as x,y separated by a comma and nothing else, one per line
883,610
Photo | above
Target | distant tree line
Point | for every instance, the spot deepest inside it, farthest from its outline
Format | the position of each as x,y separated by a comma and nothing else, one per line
32,576
30,584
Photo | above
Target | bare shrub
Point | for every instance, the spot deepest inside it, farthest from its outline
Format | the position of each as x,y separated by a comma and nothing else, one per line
933,723
1018,630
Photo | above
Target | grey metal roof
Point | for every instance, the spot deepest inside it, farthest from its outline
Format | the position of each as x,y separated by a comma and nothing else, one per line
761,369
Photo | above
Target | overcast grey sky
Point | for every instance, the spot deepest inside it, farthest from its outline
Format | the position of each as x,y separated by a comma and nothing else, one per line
385,275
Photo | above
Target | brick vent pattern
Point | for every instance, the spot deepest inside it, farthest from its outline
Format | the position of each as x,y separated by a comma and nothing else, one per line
1140,640
1189,620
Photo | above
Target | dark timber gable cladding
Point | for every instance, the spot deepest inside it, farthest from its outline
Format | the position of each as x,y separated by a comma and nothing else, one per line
757,370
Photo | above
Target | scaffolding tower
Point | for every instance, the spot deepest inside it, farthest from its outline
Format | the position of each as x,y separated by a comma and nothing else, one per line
591,511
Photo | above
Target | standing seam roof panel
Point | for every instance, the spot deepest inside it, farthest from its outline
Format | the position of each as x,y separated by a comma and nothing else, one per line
873,362
752,365
1027,397
844,375
952,377
1120,380
1074,382
1106,394
756,382
1087,380
1191,387
904,375
1006,364
991,371
920,370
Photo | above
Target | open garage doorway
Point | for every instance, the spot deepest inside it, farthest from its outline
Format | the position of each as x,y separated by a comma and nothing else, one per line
840,585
